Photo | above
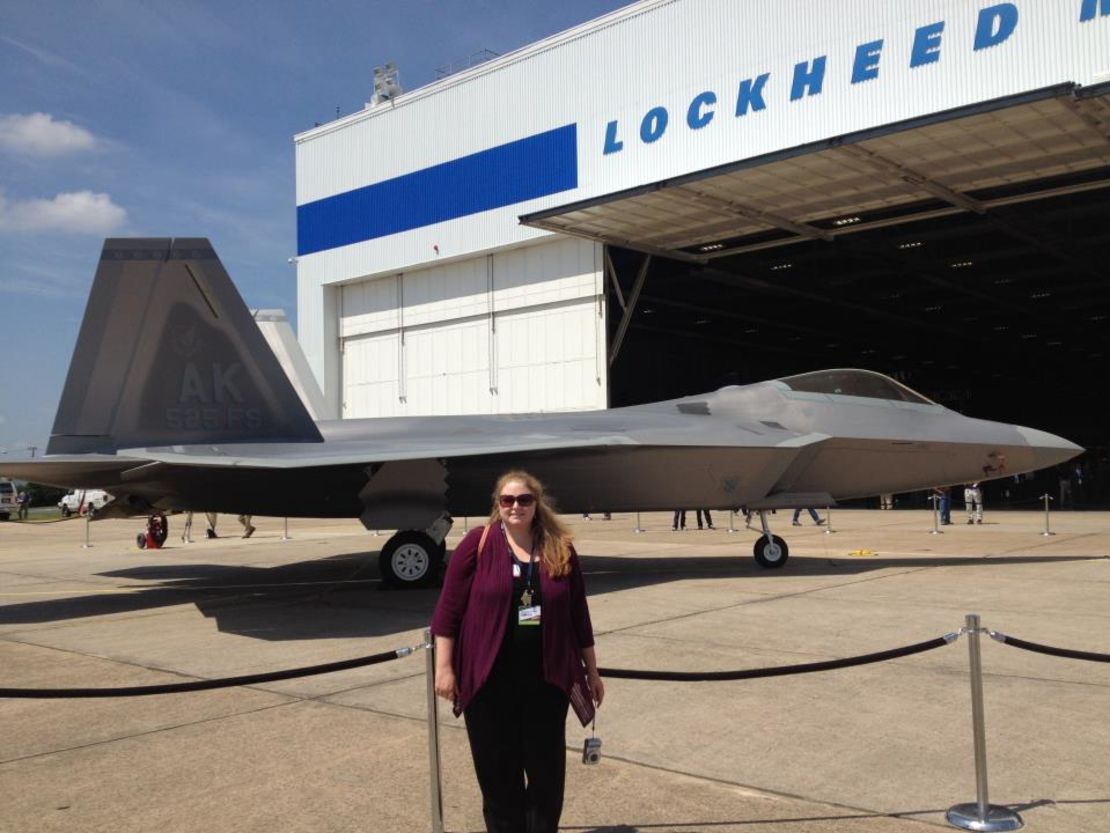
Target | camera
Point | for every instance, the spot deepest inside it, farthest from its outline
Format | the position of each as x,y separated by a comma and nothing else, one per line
591,751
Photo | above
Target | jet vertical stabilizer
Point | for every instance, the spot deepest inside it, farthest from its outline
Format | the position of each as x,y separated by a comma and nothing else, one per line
168,354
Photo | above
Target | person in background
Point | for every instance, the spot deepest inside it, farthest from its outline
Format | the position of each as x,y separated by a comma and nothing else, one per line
248,530
708,518
211,531
514,647
679,521
817,519
944,504
24,499
973,501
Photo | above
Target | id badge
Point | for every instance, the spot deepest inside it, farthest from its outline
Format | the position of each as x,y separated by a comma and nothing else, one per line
516,570
528,615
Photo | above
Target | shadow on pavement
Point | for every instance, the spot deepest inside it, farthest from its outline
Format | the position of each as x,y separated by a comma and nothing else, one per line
340,596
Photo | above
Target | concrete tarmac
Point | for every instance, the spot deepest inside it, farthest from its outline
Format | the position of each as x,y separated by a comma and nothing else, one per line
884,747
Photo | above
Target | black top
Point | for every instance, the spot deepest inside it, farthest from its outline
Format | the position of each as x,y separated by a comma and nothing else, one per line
522,645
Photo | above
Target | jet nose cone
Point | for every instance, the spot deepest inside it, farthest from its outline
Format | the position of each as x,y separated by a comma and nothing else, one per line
1048,449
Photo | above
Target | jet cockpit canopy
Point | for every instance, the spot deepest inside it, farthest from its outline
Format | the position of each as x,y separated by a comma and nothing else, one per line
852,382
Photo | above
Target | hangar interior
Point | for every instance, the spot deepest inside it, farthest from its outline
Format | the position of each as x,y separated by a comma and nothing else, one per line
964,254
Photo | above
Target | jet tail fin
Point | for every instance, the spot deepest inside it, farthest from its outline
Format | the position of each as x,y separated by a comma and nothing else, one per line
168,354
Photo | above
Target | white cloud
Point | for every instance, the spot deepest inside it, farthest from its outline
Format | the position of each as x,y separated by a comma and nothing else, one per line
39,134
78,212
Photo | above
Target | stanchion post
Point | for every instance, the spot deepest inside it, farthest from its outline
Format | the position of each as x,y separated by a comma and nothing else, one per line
285,531
731,520
1047,532
433,734
638,528
88,520
828,521
980,816
936,516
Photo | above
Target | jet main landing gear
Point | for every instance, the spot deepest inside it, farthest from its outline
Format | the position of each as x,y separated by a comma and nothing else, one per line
412,558
770,550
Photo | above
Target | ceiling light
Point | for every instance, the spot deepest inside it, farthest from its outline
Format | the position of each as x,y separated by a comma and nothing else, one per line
1054,343
936,308
702,321
1041,295
961,264
845,221
1000,281
914,244
1028,335
779,267
751,330
1001,328
648,311
712,247
1098,318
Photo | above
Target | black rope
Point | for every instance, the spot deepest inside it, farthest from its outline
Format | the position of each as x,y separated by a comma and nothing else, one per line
1067,653
778,670
202,685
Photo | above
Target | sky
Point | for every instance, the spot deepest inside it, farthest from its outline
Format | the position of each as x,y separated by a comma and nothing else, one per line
176,119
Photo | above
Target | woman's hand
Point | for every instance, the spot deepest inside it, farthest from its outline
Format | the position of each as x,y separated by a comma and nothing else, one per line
597,687
445,683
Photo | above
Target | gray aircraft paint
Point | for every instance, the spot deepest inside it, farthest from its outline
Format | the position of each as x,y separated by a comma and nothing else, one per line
174,400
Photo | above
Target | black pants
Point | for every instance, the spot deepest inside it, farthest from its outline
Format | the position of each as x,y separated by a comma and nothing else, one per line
517,728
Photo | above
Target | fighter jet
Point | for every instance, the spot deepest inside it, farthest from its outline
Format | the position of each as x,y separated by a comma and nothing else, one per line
174,401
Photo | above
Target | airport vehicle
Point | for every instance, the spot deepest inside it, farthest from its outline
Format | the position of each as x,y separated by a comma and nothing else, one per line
174,401
80,501
9,499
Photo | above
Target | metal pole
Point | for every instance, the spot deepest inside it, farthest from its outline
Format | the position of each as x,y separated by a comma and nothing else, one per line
980,816
828,521
731,520
433,734
638,528
936,516
1047,532
285,532
88,518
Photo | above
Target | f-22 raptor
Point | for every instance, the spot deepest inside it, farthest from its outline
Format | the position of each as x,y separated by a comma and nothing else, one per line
174,401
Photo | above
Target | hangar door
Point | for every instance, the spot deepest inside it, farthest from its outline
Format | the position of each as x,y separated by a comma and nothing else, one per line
516,331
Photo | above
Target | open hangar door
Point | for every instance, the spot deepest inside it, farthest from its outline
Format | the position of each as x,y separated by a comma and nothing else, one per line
965,255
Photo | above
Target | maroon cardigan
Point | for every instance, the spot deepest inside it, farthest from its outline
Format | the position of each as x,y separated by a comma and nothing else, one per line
473,608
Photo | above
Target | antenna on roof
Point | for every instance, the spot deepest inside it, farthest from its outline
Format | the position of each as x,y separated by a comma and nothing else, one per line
386,85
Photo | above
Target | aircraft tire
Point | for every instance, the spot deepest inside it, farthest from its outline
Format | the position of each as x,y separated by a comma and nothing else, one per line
771,555
65,512
410,559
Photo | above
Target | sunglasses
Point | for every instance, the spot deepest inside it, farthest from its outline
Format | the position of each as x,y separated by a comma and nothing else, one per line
523,501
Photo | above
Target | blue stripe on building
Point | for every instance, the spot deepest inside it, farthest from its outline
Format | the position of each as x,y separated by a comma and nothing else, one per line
535,166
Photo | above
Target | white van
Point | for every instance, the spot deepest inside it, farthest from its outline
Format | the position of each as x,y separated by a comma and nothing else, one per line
79,501
9,499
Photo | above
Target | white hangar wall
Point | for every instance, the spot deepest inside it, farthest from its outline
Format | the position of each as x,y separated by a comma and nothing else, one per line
521,330
438,177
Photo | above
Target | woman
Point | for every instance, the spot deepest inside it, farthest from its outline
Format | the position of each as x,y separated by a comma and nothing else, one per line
514,647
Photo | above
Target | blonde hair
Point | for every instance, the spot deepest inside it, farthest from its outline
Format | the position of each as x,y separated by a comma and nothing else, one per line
549,535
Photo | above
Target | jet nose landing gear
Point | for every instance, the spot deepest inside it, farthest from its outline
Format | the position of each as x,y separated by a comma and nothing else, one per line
770,550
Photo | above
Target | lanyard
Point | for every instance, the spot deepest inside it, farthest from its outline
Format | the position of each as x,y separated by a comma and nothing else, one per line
531,561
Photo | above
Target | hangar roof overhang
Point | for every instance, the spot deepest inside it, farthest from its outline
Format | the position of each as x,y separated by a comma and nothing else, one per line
1037,145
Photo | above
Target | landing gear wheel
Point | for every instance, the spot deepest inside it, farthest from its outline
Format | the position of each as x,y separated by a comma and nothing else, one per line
410,559
770,554
66,512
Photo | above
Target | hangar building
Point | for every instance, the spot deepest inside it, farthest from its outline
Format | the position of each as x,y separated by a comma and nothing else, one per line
687,193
